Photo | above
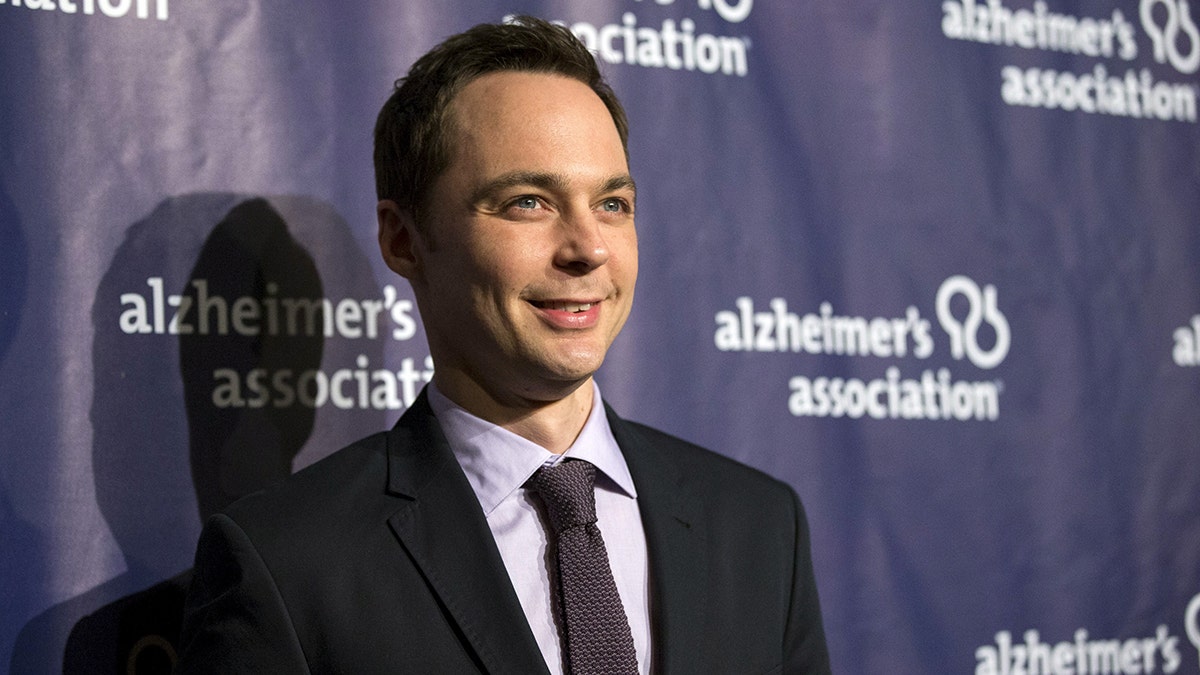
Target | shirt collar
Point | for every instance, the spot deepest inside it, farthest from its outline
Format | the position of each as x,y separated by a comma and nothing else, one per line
497,462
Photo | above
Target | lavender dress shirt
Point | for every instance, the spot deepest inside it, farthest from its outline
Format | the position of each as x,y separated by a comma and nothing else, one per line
497,463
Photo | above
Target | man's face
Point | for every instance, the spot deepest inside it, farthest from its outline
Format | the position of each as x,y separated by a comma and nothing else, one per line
527,271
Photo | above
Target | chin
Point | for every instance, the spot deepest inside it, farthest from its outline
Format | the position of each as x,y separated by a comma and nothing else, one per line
573,370
572,376
578,359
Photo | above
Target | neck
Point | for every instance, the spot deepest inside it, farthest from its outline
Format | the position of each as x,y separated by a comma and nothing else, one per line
553,424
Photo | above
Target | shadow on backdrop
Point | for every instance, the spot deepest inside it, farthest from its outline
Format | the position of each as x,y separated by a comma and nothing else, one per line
157,388
14,271
16,534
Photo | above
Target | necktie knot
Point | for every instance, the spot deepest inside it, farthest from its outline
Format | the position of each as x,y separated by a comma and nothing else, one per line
568,491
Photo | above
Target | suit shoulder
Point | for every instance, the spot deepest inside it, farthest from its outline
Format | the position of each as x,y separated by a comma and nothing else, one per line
723,473
344,477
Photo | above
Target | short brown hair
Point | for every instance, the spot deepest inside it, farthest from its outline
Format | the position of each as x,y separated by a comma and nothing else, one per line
411,145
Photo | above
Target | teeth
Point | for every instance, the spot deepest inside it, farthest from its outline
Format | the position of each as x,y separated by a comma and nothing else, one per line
573,307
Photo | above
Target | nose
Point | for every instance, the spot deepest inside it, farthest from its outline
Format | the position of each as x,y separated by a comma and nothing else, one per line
582,247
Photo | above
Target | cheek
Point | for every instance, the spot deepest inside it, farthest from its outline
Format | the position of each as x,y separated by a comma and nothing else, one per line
510,262
625,251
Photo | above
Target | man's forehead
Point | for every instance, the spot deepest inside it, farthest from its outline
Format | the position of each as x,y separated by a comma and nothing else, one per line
484,96
517,123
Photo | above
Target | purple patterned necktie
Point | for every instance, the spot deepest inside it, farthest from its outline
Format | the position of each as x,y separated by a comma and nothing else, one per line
595,629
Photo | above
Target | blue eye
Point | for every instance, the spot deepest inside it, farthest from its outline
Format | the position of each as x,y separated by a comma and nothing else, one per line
526,203
613,205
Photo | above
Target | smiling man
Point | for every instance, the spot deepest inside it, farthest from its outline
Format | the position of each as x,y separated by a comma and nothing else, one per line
511,521
523,253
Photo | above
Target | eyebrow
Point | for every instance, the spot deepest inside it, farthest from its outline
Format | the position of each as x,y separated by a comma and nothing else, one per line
545,181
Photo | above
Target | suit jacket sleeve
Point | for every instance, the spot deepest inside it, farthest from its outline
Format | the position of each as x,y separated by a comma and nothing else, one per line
235,620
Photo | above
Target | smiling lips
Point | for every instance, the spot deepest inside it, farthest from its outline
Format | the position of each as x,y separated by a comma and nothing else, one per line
566,306
569,313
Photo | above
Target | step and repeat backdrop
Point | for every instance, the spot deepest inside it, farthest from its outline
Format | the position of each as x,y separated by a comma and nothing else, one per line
935,264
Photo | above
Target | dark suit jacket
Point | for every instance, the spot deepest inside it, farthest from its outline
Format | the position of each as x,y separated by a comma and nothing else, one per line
378,559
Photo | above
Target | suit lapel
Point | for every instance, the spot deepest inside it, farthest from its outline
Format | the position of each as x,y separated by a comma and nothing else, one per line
444,532
675,540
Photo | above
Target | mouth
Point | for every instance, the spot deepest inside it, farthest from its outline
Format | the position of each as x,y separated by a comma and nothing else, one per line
564,305
569,314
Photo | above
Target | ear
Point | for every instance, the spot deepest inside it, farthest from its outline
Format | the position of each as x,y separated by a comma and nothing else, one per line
399,240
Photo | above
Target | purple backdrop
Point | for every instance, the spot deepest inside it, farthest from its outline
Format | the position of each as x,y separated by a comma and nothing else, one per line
937,265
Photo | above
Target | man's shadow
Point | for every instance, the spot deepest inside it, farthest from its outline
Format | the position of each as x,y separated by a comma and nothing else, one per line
195,379
14,271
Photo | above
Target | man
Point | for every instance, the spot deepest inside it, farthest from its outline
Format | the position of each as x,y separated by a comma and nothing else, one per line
506,201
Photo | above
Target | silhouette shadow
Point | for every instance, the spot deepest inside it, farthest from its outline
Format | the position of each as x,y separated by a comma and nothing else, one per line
21,573
162,381
14,271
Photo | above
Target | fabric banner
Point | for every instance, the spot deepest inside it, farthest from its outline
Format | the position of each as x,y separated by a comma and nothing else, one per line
936,265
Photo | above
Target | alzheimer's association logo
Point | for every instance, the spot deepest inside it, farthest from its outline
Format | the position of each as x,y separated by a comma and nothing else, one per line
964,332
1191,622
734,12
1166,21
